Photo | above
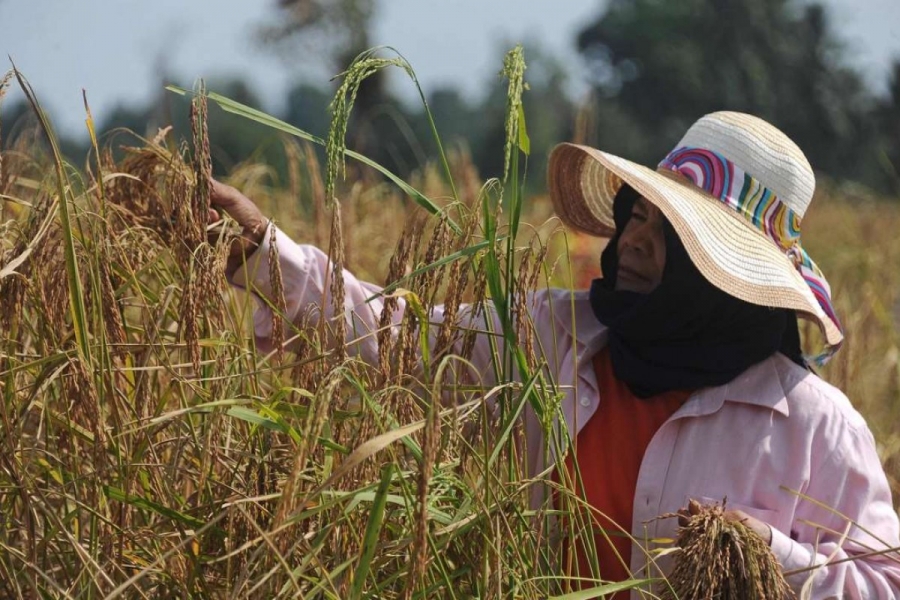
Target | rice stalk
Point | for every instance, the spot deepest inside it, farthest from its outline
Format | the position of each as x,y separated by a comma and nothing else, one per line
279,306
338,327
4,84
430,446
398,267
514,72
361,69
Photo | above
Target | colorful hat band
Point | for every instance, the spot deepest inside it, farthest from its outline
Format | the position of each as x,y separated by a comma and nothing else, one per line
744,194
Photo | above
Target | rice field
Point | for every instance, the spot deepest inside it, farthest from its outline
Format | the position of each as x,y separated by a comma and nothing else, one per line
150,448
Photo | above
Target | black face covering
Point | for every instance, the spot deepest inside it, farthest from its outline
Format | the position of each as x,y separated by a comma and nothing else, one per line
686,334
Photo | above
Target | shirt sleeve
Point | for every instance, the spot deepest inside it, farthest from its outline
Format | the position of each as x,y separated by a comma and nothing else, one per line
306,273
844,542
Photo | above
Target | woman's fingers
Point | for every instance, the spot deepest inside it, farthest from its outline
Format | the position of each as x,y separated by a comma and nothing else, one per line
240,208
763,530
224,196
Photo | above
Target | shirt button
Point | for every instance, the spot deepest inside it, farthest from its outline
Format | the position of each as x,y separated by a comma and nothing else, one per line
585,402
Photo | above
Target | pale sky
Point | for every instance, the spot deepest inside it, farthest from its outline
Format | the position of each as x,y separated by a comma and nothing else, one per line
118,49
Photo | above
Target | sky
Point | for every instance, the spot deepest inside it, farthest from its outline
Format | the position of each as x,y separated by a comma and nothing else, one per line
123,51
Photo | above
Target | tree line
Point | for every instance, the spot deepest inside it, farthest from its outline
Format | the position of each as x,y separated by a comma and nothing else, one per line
655,67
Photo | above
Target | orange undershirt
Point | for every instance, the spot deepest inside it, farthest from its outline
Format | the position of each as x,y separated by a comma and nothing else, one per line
609,450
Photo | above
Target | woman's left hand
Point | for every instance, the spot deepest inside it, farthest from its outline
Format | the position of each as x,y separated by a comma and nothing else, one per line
763,530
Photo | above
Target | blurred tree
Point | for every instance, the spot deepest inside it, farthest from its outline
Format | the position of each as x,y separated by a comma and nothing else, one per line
664,64
887,118
307,108
333,31
340,28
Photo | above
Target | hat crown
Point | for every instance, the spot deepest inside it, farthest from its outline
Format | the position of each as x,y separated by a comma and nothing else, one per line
759,149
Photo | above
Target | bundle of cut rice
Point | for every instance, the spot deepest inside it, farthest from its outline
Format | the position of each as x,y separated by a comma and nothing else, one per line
724,560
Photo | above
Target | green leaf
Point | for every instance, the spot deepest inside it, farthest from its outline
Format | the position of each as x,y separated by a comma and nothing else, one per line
468,251
602,590
253,417
524,140
76,294
147,504
247,112
373,530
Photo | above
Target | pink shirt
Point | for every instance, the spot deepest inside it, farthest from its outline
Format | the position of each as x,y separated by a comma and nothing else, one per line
777,441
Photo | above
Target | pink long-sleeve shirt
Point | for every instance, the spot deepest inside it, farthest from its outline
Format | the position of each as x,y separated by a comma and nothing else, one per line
777,441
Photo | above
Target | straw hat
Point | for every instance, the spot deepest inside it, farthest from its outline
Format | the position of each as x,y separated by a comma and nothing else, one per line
735,189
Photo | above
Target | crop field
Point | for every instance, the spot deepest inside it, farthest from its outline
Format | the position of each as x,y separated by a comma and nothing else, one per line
151,447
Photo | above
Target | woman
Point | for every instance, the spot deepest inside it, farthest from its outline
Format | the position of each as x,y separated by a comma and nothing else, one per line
682,368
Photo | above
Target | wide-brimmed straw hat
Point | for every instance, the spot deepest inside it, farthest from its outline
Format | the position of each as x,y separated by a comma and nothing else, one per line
735,189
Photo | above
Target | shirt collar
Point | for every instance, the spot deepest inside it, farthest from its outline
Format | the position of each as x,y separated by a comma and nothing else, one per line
760,385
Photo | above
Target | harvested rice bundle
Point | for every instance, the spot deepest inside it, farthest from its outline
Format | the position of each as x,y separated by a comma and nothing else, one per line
723,559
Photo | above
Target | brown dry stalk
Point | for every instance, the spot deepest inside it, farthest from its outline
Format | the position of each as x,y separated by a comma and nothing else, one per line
112,316
294,161
316,417
279,303
437,246
455,287
215,285
723,559
529,272
430,457
189,316
398,267
336,253
202,166
13,288
318,194
53,293
202,265
308,371
449,334
82,394
4,82
475,317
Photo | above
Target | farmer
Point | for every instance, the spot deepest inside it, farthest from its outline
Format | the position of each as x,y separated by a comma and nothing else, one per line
683,373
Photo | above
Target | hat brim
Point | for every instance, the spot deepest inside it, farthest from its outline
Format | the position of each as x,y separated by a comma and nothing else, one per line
732,254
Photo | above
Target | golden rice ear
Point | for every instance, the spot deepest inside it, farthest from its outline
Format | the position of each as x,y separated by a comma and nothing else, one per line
279,307
336,253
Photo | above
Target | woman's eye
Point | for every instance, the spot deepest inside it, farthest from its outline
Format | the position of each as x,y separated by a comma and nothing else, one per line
638,215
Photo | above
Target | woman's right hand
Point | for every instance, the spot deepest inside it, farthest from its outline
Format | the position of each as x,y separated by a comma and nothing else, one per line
240,208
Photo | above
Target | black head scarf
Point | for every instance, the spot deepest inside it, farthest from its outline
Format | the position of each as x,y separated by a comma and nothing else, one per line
686,334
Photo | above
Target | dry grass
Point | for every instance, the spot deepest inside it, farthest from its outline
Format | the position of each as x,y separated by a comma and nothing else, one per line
853,237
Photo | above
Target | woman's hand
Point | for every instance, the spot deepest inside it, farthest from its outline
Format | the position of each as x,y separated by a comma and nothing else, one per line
763,530
251,220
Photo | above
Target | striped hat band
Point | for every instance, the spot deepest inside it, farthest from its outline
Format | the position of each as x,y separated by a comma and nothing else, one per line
759,206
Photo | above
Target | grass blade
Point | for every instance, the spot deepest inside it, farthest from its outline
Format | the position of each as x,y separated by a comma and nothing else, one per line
147,504
253,114
373,530
76,294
